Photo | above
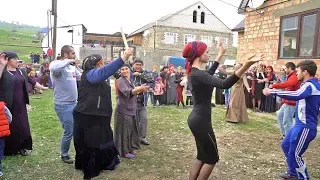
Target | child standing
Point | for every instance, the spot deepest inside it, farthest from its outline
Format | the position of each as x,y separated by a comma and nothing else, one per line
5,120
226,93
158,91
187,91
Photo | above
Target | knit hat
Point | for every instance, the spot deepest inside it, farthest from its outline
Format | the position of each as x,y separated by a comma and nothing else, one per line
126,65
158,78
11,55
191,51
137,60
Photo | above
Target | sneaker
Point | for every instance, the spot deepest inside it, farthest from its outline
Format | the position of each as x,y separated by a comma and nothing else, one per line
67,159
1,173
23,152
129,156
144,142
288,176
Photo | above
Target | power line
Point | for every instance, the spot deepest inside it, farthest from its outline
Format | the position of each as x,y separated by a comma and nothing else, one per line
63,21
229,4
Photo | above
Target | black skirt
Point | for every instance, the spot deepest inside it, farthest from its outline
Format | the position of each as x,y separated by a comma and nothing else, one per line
94,145
219,97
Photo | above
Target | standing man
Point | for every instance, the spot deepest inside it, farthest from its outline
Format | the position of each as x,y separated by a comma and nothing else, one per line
64,78
139,78
49,53
286,111
305,129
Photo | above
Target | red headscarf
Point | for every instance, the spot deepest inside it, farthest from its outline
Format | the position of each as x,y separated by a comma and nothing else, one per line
191,51
270,74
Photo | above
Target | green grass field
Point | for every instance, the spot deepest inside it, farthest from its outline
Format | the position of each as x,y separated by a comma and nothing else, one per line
247,151
15,38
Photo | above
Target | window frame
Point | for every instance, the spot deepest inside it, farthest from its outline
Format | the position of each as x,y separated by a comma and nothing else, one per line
203,16
175,36
193,36
300,16
195,16
209,38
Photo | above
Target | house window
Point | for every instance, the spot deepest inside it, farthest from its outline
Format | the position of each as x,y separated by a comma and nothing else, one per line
202,17
300,35
170,38
207,40
189,38
194,16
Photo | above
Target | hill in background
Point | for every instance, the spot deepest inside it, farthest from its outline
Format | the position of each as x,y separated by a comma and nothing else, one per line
20,38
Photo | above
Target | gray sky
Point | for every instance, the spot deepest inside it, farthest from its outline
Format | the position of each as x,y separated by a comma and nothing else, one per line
107,16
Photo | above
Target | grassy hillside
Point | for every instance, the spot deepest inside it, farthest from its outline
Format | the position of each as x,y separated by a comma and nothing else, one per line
21,39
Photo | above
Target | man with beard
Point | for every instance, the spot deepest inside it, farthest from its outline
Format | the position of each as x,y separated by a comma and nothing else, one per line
140,77
304,131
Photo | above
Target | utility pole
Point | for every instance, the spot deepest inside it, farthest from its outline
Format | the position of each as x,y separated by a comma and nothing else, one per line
54,39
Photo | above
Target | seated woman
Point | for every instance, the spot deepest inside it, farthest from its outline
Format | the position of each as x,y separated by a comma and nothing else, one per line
93,137
125,127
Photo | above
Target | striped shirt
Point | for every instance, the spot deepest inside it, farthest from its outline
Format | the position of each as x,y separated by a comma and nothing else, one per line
308,102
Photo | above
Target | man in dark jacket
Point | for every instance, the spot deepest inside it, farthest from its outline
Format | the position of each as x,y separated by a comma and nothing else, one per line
139,77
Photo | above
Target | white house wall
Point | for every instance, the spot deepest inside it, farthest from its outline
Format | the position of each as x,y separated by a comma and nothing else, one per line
184,19
65,38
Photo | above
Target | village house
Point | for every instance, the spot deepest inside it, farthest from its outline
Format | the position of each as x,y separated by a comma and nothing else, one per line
168,35
284,30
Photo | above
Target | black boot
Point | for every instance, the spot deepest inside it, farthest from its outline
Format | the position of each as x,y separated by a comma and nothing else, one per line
178,103
184,106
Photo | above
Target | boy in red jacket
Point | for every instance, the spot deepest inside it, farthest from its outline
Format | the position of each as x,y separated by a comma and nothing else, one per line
287,110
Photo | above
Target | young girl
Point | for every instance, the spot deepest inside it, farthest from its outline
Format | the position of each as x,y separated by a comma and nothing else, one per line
187,91
5,120
226,93
158,91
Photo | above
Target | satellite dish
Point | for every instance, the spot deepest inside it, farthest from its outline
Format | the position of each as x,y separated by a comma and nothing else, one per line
145,33
255,3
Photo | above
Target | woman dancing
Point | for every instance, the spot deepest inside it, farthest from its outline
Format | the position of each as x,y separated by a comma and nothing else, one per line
199,121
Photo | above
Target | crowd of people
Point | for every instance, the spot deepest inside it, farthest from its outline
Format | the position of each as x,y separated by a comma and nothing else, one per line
83,104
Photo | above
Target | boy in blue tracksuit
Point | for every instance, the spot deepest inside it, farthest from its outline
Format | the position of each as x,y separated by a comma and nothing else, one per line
305,130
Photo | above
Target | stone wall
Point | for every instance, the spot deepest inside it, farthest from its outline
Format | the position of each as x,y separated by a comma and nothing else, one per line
262,31
153,51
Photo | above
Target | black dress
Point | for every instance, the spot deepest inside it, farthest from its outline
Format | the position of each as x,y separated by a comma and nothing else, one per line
199,120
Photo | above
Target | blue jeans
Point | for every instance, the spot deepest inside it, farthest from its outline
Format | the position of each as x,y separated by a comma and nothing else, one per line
64,112
285,116
146,98
226,99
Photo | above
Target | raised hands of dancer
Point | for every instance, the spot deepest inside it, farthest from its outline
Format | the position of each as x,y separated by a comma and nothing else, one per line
266,91
3,60
222,51
253,59
127,53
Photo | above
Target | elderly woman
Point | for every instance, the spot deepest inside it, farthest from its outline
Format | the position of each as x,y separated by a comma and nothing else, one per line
13,89
126,129
93,136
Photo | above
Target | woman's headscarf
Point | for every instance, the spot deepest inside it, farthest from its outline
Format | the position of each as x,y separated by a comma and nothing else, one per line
90,62
191,51
270,74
